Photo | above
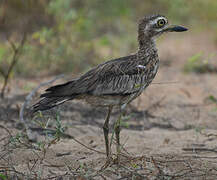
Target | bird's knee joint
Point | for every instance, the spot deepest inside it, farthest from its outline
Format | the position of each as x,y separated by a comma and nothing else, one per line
117,129
106,129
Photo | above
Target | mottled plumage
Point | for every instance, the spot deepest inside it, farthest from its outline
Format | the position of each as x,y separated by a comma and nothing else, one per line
116,82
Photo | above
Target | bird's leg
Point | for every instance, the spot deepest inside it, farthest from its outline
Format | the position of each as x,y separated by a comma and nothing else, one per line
117,131
106,132
117,134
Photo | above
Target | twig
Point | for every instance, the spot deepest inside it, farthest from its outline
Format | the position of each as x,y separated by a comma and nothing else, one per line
199,149
15,58
27,102
172,82
87,146
133,172
160,172
1,126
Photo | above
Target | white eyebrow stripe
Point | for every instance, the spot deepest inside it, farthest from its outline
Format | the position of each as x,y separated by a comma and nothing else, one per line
141,66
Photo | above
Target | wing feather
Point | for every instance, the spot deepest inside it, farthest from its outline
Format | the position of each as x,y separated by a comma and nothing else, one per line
115,77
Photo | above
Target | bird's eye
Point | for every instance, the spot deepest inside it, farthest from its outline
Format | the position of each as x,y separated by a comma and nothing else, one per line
161,22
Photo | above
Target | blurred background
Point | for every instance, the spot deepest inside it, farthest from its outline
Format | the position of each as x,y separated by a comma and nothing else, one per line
74,35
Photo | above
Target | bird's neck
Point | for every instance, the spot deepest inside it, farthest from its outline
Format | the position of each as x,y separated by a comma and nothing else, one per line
147,48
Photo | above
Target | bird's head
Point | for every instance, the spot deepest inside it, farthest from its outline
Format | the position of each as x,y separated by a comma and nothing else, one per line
155,25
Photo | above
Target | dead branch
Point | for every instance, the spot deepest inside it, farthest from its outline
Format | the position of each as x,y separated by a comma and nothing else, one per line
199,149
16,53
167,82
27,102
1,126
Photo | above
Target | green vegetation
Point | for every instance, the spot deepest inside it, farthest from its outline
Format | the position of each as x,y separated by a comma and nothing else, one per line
72,35
3,177
213,100
198,65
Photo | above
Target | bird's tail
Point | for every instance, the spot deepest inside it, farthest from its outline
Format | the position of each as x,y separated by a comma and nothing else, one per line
48,103
54,96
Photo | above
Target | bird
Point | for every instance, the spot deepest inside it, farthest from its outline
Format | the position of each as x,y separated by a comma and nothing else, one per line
117,82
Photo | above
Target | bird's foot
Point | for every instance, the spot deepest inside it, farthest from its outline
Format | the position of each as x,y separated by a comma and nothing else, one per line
109,161
117,159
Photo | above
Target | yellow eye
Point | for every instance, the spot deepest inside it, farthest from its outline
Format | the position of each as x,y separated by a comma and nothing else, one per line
161,22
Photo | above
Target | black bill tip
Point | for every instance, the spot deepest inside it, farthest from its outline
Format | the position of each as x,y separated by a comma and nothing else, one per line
178,29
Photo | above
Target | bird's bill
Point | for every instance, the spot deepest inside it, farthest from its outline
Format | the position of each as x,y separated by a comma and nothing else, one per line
175,28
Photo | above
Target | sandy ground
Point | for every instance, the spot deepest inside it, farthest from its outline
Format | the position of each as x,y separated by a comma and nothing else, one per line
169,131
